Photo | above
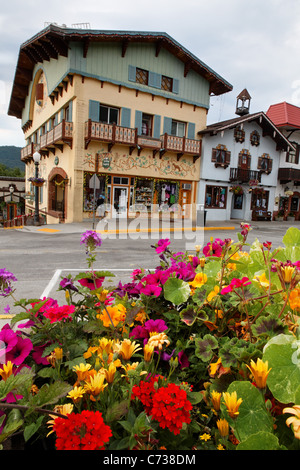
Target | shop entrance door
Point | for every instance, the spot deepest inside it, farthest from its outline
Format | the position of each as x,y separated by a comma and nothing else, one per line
120,201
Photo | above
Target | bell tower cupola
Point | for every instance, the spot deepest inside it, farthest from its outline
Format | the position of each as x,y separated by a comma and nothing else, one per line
243,103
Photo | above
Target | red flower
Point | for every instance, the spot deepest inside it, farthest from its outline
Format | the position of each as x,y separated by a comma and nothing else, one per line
235,283
171,407
59,313
84,431
144,392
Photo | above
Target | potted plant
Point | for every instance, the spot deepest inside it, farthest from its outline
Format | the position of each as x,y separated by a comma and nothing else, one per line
290,216
280,215
36,181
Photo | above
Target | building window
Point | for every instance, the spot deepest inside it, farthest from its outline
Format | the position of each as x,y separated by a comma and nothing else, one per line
142,76
239,134
146,124
254,138
178,128
166,83
259,199
216,197
292,156
265,163
220,156
108,115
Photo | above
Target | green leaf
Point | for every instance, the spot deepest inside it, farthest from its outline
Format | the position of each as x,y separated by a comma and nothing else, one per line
292,237
189,315
253,416
14,382
176,290
32,428
13,423
260,441
204,347
282,354
50,394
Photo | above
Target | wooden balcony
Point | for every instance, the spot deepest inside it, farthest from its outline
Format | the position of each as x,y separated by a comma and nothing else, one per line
243,175
57,137
27,152
181,146
110,133
113,134
288,174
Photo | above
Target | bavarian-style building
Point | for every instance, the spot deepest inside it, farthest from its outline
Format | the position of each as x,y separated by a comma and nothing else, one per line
127,106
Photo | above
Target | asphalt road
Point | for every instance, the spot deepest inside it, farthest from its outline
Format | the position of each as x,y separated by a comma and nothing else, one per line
38,258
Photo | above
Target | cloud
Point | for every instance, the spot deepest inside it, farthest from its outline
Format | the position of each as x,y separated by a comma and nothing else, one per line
251,44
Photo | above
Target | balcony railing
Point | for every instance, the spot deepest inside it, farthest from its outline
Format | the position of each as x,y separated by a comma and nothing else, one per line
243,175
181,146
110,133
27,151
288,174
114,134
59,135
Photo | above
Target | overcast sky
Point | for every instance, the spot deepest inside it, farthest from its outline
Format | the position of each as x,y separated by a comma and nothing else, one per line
252,44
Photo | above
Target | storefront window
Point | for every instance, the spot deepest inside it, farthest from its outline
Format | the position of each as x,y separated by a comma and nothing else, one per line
167,194
260,199
88,193
143,194
216,197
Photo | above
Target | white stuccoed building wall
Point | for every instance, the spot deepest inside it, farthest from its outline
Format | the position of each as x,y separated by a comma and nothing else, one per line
210,175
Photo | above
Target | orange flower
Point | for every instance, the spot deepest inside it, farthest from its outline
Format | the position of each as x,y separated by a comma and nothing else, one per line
260,372
232,403
216,400
7,370
294,420
223,427
294,299
115,315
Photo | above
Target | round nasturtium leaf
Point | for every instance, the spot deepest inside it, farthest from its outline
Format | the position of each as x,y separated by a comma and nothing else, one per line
282,354
176,290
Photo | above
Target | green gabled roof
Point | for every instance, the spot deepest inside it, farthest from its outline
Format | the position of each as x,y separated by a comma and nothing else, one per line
54,40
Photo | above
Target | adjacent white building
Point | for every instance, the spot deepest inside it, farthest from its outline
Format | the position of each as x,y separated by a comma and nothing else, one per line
239,165
286,117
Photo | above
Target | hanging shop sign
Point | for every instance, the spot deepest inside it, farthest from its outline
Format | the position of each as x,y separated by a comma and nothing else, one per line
106,162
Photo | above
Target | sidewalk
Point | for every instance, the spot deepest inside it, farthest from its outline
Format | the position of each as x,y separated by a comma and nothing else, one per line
142,225
113,226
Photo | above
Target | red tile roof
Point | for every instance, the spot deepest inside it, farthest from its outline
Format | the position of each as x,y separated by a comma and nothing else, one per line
284,115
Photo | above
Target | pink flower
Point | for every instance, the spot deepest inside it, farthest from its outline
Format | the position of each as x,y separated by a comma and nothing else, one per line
91,283
235,284
21,350
162,245
214,248
151,290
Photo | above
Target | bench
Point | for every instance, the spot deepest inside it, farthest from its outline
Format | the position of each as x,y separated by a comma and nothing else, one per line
261,214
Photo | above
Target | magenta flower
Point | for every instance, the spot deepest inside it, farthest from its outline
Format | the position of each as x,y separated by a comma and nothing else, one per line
91,283
91,240
150,326
6,278
183,360
162,245
37,355
21,350
214,248
235,284
8,340
151,290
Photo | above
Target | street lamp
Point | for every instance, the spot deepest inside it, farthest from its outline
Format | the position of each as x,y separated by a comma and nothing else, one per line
36,159
11,190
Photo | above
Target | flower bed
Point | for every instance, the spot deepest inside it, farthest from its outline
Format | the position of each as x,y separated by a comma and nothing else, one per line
200,353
